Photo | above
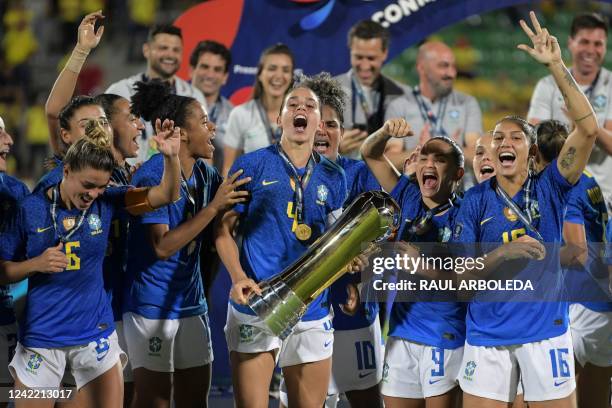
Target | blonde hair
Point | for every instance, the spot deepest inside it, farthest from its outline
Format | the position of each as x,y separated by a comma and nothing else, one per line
93,150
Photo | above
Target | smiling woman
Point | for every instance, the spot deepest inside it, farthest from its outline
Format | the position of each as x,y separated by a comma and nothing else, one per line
253,125
68,321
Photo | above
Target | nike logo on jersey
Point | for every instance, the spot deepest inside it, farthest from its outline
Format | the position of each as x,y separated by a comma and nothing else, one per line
435,381
39,230
327,343
267,183
362,375
483,222
558,383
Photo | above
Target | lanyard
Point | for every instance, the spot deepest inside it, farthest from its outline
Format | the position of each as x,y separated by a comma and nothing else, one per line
427,112
192,198
214,112
358,90
273,135
74,229
524,216
300,182
422,225
591,89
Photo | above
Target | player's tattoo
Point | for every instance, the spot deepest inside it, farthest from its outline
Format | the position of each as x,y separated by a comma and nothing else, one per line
568,159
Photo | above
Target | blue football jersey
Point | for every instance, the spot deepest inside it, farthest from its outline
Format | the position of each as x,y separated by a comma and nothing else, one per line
267,221
586,206
171,288
359,179
50,178
435,323
11,191
484,217
116,251
71,307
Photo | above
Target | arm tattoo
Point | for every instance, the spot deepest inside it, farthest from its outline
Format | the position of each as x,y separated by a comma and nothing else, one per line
568,159
567,75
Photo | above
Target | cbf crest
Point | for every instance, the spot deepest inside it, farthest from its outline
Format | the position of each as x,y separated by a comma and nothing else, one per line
95,224
599,102
322,193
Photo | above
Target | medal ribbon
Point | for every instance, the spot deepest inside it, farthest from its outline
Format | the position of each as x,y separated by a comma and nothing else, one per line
524,216
74,229
300,182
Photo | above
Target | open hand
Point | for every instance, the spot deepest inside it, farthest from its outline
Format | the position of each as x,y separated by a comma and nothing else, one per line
167,137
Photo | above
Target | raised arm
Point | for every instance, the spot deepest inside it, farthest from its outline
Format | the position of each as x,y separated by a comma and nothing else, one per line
373,151
166,242
64,85
142,200
577,148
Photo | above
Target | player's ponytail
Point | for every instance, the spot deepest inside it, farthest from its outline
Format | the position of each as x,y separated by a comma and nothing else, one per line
93,151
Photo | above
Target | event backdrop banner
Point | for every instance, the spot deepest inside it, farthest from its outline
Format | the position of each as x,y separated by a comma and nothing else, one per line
315,30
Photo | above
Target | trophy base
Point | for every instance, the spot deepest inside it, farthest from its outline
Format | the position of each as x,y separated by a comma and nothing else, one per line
279,307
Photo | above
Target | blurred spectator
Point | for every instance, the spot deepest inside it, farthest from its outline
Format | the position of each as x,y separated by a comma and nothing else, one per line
18,43
142,16
164,52
210,62
37,136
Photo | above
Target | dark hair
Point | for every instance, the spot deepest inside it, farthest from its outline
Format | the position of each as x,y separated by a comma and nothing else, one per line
279,48
368,30
93,150
524,125
551,137
329,91
154,100
212,47
69,110
107,101
456,150
588,21
164,29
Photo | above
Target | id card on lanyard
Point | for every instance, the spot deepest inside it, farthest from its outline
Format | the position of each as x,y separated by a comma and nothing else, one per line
427,114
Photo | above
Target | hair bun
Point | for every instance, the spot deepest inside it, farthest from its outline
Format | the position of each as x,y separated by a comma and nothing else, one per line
97,134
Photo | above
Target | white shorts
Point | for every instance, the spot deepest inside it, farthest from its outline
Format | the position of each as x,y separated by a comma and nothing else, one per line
591,335
165,345
414,370
128,376
357,363
8,342
43,367
545,367
309,342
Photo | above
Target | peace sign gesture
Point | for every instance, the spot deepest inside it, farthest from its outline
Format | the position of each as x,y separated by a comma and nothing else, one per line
545,46
88,37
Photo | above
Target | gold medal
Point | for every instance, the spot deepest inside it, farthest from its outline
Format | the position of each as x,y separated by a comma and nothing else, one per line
303,232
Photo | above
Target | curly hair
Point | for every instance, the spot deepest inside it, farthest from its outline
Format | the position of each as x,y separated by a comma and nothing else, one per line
329,91
154,100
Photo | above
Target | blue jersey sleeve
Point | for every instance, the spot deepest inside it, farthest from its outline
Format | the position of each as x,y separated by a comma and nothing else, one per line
558,185
13,237
575,205
248,170
405,190
149,175
466,226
